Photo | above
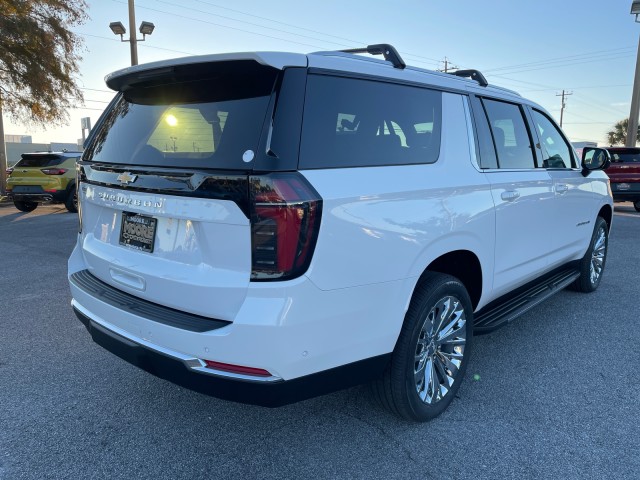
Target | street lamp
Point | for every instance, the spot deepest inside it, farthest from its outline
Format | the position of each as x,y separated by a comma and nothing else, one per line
635,97
118,28
635,8
146,28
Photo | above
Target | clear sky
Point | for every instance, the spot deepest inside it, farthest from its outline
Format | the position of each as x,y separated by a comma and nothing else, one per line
538,48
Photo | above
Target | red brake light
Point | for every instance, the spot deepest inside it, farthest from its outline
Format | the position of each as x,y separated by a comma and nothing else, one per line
285,220
227,367
53,171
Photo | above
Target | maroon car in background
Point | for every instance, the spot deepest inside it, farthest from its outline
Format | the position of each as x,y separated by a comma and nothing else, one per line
624,173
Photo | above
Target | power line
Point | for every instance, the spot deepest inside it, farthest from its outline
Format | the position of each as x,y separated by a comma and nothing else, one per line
96,90
584,88
569,64
558,59
143,45
431,60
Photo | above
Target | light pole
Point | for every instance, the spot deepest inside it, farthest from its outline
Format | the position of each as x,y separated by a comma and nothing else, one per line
635,97
146,28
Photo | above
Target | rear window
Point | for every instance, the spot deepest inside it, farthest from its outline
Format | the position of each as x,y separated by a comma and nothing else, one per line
206,119
353,123
628,156
40,161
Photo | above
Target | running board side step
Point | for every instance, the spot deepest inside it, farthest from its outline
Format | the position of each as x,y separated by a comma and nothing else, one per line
504,310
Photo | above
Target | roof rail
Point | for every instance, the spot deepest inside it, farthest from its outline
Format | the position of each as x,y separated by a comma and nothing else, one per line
473,75
388,51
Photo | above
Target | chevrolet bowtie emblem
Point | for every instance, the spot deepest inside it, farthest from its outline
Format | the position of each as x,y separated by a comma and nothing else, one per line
126,177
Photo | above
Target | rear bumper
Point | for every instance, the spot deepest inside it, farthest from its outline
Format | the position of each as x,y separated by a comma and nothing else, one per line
190,373
55,196
626,196
630,191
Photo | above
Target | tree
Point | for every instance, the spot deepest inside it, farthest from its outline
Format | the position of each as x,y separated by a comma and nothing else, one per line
38,61
618,136
39,58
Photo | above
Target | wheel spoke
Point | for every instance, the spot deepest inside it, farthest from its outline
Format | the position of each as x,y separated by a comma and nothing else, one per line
454,340
453,329
420,379
420,361
434,385
446,376
426,381
451,362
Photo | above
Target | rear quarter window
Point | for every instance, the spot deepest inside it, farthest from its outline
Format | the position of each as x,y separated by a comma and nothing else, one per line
40,161
356,123
631,156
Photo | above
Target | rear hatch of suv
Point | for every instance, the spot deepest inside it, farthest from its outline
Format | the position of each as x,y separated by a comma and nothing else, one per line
37,173
624,173
172,208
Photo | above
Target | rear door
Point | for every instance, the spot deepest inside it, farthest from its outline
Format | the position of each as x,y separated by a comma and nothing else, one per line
522,193
164,193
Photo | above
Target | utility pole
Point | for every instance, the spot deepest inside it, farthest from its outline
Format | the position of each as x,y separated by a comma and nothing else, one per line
3,155
563,95
632,132
448,66
132,33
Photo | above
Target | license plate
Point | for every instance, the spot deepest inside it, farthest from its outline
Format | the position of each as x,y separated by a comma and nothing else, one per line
27,189
138,231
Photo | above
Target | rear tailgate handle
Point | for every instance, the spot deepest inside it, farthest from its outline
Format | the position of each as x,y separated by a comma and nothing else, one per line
562,188
128,279
509,195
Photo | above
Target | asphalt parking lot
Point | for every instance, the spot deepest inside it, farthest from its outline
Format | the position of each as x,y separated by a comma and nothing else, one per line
555,394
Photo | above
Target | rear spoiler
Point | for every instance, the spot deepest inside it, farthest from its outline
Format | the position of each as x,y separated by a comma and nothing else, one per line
155,72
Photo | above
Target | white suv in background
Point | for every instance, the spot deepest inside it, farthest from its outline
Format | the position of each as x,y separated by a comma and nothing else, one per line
267,227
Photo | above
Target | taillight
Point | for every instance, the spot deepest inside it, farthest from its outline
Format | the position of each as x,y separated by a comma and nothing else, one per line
227,367
53,171
9,170
285,220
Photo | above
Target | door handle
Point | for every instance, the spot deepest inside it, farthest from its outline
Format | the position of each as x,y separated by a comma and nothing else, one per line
509,195
562,188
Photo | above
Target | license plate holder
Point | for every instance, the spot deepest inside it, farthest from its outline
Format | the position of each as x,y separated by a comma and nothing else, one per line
138,231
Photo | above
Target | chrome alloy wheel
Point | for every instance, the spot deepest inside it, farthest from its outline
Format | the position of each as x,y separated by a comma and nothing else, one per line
598,255
440,349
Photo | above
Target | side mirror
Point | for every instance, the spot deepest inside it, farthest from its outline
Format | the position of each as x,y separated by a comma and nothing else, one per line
595,159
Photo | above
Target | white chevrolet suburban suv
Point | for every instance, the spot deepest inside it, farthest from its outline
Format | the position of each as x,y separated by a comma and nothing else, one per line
268,227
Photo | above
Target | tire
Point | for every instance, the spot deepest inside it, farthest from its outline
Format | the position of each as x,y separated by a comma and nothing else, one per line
636,205
72,201
25,206
594,260
432,351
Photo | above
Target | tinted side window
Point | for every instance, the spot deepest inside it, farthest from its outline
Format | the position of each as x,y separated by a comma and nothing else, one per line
510,134
355,123
39,161
555,150
629,155
487,148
